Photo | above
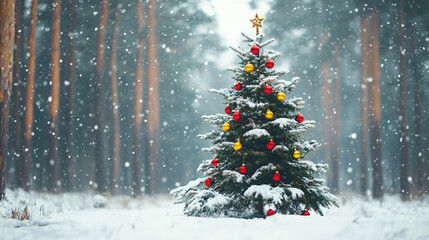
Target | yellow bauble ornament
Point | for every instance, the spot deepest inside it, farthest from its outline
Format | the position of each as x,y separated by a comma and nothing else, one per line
281,96
249,67
226,127
237,146
296,154
269,114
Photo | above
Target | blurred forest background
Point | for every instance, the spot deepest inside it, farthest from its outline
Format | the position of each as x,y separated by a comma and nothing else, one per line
108,95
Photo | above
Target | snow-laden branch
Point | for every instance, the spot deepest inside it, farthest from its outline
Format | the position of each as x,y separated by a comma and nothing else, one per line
239,51
267,193
216,119
249,39
256,133
269,41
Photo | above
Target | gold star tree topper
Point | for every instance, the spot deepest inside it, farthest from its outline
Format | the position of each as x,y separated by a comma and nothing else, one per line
257,22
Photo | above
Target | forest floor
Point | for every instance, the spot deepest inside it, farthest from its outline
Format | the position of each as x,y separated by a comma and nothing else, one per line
88,216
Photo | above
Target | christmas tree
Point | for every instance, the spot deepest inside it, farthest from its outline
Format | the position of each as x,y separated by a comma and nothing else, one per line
258,167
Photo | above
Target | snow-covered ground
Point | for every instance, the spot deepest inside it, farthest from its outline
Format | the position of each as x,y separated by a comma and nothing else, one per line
73,216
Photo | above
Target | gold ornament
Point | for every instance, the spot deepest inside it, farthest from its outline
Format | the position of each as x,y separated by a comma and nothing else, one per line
257,22
269,114
249,67
226,127
296,154
237,145
281,96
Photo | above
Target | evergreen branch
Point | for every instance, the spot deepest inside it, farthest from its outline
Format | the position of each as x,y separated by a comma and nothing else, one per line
249,39
240,52
260,38
224,92
269,41
216,119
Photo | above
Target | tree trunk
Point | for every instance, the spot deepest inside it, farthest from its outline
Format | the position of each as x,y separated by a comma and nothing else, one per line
152,137
376,113
335,163
100,178
29,103
326,99
69,138
115,109
55,101
7,35
405,191
138,101
421,178
19,163
364,116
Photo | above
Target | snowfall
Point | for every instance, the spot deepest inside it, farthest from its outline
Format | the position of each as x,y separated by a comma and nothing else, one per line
91,216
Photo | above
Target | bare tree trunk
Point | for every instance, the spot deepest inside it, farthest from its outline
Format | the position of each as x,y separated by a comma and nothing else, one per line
376,113
152,138
332,183
335,163
29,104
115,109
138,101
7,35
100,178
69,184
364,120
405,188
55,102
326,99
421,178
19,163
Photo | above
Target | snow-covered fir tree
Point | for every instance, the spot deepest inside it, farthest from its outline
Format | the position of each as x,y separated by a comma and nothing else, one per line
259,166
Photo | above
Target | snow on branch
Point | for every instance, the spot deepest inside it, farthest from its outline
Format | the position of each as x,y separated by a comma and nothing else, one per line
258,172
269,41
239,51
268,79
295,192
260,38
224,92
284,122
272,54
266,192
281,148
218,147
234,69
249,39
301,128
257,133
216,119
306,145
210,135
308,164
233,174
181,191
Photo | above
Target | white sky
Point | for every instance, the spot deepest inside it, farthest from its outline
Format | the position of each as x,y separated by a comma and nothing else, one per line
233,18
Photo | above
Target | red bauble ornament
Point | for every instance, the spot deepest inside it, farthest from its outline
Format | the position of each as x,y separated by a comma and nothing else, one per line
270,212
268,89
254,49
269,63
215,162
271,145
276,177
242,169
207,182
236,116
299,118
238,86
227,110
305,213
